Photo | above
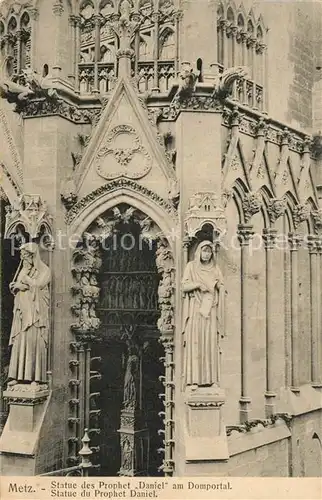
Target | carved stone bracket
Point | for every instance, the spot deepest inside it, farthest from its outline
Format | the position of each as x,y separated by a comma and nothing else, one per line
205,208
32,214
252,204
276,208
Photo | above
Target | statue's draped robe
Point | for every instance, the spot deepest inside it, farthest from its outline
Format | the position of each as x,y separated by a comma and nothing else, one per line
30,327
203,314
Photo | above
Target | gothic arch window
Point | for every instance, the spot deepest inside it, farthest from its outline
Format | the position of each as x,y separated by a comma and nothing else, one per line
106,8
230,36
2,39
106,54
241,42
25,39
220,34
167,45
12,47
155,43
240,39
250,44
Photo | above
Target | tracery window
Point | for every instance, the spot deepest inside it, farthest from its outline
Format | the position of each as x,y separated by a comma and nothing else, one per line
241,42
15,43
155,44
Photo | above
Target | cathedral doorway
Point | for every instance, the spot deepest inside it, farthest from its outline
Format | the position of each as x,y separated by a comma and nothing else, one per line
131,369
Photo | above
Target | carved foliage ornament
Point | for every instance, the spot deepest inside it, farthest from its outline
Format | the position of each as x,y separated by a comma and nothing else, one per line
205,207
86,266
252,204
317,217
301,213
123,155
31,213
276,208
115,186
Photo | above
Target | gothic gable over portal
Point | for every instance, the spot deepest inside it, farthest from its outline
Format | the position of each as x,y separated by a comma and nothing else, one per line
125,144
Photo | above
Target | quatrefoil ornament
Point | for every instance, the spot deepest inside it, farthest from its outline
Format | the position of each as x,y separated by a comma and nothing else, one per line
123,155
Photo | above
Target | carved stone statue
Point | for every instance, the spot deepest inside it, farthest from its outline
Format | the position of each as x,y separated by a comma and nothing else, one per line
203,315
131,380
30,326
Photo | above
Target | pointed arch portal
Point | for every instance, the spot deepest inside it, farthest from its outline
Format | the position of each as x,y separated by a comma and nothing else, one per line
123,271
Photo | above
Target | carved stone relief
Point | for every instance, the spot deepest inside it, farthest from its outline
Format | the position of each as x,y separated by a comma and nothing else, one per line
123,155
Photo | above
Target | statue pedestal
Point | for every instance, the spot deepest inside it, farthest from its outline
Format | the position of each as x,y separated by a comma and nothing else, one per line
205,431
27,406
135,444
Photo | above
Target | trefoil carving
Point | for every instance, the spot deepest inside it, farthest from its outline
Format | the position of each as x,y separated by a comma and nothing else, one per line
123,155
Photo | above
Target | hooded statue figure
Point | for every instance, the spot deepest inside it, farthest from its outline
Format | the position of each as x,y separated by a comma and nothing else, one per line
30,324
203,315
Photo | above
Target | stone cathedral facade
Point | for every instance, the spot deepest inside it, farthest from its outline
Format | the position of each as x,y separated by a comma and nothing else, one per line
131,131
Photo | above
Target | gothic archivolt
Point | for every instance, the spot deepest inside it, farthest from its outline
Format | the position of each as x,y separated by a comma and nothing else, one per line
86,267
134,189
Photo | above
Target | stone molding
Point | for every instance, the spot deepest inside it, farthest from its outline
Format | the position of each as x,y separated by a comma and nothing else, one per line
116,185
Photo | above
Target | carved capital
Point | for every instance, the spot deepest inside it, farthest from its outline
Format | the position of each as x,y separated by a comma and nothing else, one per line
245,233
269,237
276,208
32,214
129,53
261,128
317,217
252,204
58,8
313,243
307,143
235,117
319,245
205,208
301,213
286,137
294,241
